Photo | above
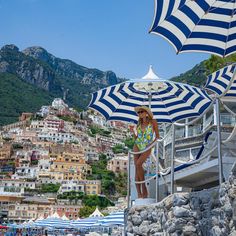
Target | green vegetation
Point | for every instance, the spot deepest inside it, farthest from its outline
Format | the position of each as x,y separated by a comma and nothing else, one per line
119,149
68,118
87,200
215,63
72,195
86,211
49,188
14,98
198,74
100,172
121,184
112,186
17,146
7,139
129,142
10,163
93,130
95,200
34,162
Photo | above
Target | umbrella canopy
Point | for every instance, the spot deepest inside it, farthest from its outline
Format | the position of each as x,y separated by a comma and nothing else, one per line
223,81
53,222
85,223
116,218
169,101
200,25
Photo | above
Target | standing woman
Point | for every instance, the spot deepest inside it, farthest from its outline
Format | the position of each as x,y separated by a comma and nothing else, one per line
147,133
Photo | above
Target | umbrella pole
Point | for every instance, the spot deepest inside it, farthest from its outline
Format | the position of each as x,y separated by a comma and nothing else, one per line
157,172
149,100
220,164
172,160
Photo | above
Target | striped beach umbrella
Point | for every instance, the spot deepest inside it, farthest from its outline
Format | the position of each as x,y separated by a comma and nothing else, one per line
168,100
84,223
53,223
199,25
223,82
111,220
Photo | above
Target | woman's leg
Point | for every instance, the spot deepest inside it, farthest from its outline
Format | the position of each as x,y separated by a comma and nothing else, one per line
136,157
142,158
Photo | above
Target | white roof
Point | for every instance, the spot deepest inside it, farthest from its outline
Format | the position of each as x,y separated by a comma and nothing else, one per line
96,213
64,217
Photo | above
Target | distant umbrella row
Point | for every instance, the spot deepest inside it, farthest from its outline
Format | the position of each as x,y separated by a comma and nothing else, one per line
114,219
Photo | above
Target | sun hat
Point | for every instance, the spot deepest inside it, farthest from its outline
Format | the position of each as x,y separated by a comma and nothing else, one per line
144,108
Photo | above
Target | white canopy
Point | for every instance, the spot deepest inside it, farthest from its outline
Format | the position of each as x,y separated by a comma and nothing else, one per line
96,213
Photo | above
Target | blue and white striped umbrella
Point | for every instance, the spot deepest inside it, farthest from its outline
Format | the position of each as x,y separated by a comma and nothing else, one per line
221,80
169,101
111,220
199,25
53,223
84,223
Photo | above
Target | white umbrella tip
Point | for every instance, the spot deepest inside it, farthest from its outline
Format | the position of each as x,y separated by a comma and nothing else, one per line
151,74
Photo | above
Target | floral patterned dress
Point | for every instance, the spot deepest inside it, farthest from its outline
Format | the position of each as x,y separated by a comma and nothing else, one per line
144,138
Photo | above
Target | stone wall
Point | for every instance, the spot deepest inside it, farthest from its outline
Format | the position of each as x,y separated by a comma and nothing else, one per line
208,213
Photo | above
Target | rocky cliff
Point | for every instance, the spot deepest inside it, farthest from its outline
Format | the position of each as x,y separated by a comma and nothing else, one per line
209,212
38,67
35,68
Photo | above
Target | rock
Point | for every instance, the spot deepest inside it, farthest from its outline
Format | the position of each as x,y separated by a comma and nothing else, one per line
129,227
131,211
169,202
227,208
154,228
233,233
144,215
189,230
179,200
216,231
136,230
155,216
181,212
144,228
10,47
136,219
130,234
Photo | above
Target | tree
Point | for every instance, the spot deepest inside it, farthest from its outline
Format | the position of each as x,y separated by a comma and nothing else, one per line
86,211
129,142
50,188
215,63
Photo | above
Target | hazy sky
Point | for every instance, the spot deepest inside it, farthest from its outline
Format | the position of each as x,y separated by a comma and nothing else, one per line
103,34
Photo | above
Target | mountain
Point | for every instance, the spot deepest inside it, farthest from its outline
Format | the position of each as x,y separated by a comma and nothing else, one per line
41,76
196,76
17,96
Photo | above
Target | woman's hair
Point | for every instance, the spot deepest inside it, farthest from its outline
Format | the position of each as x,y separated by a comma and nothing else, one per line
149,119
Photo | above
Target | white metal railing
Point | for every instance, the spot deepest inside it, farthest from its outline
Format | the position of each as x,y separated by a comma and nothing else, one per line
170,138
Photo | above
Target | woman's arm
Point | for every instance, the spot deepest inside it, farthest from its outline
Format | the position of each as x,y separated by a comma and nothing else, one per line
156,130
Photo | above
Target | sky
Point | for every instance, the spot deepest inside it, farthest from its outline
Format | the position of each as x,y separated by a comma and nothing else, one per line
103,34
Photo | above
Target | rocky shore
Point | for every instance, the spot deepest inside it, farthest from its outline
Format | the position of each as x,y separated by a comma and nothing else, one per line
210,212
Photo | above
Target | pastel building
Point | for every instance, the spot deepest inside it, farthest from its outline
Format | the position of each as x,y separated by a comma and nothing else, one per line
118,164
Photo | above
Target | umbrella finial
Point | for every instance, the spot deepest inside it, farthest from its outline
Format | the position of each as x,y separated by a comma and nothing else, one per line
151,74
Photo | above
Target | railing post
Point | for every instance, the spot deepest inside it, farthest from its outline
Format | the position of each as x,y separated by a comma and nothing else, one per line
220,164
128,183
157,172
172,160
